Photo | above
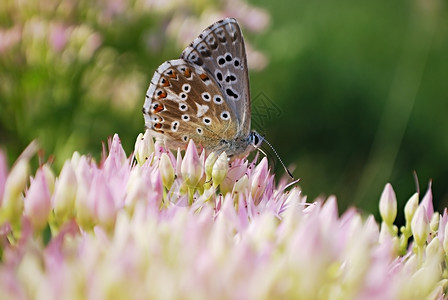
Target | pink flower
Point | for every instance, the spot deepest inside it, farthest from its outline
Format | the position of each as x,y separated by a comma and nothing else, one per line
192,168
3,175
38,201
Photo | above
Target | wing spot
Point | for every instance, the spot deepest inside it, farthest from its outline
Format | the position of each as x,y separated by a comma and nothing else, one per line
205,96
204,77
217,99
164,82
183,107
207,121
221,61
219,75
186,88
156,107
199,131
230,78
231,93
185,117
225,115
174,126
183,96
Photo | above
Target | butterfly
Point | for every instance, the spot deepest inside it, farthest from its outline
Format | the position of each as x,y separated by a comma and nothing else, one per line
204,95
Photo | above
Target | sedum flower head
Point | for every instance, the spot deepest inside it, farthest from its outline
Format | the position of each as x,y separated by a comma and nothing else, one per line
190,226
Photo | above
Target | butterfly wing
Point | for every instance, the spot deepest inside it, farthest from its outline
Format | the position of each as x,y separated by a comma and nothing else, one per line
184,102
220,51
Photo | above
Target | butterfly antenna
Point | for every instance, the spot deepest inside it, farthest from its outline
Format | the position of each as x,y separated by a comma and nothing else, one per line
278,157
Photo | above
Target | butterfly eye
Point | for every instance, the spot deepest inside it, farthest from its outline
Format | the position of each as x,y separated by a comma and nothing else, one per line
225,115
205,96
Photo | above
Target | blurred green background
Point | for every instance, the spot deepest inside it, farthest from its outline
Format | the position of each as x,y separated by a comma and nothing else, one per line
352,93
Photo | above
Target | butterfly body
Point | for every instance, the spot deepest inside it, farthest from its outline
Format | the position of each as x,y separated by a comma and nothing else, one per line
204,95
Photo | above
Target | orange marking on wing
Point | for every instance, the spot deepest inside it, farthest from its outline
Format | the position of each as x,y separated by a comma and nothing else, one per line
159,108
165,82
162,95
203,76
158,125
187,72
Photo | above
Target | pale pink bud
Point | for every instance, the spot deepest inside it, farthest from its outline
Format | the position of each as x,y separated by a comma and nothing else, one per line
420,226
235,173
258,179
117,156
427,202
3,175
144,147
49,177
445,239
209,162
220,169
191,168
434,249
12,205
101,197
410,208
434,223
388,205
65,192
38,201
241,184
166,170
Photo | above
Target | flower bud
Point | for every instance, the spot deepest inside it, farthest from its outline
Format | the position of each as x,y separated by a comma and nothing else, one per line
388,205
65,193
209,163
49,177
144,147
12,205
410,208
166,170
258,179
420,226
191,168
220,169
37,204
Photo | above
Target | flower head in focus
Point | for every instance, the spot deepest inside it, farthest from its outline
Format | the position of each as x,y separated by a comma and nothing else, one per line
128,228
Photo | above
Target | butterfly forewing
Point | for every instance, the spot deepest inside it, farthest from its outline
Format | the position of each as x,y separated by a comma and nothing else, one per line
184,102
220,50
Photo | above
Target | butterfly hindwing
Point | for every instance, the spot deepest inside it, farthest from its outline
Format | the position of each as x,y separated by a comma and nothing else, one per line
184,102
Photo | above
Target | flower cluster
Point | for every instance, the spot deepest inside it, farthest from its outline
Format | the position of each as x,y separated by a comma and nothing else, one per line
161,226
